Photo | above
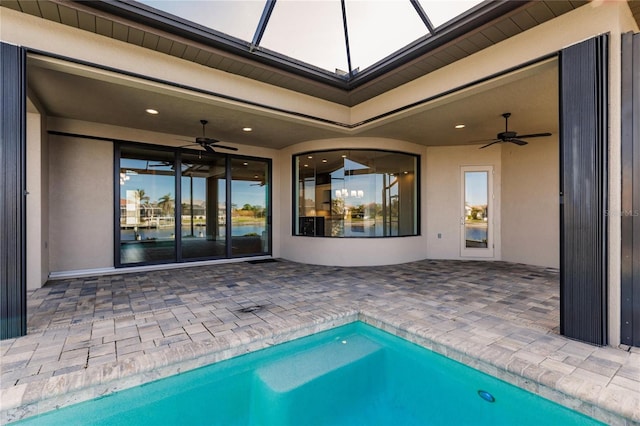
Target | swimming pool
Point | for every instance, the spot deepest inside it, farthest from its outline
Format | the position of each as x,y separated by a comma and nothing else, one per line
350,375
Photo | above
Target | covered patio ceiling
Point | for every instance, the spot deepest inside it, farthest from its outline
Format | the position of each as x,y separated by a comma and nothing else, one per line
530,94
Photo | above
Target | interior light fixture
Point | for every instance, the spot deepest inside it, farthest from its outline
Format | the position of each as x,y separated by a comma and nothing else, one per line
460,126
247,129
344,155
324,160
245,164
310,157
152,111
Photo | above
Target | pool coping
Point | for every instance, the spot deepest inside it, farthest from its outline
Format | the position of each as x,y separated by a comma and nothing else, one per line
610,405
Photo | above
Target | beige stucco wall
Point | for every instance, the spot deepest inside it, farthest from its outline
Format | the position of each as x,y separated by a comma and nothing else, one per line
81,204
37,199
346,251
81,187
530,206
444,197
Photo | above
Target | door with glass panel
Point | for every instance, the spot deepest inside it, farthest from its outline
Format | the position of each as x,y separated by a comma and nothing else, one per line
249,230
476,212
147,206
203,206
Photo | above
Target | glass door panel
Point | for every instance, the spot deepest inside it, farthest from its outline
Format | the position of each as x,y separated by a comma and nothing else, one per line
147,206
477,228
249,207
203,206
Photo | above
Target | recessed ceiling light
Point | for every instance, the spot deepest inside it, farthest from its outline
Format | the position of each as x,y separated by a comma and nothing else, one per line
460,126
324,160
247,129
344,155
152,111
245,164
310,157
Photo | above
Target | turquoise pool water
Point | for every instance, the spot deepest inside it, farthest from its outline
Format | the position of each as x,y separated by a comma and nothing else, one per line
351,375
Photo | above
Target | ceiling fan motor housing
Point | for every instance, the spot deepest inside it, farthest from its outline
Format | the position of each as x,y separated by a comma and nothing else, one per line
506,135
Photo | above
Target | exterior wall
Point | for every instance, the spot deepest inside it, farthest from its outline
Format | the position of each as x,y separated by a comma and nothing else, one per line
37,200
444,197
81,189
346,251
81,204
530,209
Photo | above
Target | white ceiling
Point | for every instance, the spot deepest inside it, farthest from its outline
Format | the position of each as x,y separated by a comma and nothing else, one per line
531,95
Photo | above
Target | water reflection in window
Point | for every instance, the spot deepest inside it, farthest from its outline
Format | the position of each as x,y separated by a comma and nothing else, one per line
147,206
249,206
203,206
476,219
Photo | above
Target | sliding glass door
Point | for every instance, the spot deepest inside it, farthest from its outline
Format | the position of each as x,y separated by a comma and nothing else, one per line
249,206
147,206
203,206
223,209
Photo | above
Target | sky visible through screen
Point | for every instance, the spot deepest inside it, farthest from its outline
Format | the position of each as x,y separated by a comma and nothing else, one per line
312,31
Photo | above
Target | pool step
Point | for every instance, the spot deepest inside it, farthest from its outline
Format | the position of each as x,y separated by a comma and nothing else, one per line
294,371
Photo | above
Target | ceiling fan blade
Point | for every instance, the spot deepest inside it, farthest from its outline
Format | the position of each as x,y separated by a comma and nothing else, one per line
190,144
208,148
534,135
224,147
517,141
496,141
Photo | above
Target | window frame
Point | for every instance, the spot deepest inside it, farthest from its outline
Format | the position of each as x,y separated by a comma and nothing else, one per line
294,196
178,152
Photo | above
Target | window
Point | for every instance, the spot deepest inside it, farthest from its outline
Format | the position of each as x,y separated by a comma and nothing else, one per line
356,193
213,190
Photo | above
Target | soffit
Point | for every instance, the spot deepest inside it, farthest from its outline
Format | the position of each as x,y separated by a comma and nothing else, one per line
61,91
634,5
500,21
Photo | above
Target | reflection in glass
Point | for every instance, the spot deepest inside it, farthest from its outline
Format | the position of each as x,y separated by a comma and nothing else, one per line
476,215
249,206
356,193
147,206
203,206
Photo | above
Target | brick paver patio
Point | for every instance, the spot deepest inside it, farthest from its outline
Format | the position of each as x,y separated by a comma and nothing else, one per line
92,336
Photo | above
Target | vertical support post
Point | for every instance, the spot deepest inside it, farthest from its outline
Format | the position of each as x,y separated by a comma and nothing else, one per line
13,283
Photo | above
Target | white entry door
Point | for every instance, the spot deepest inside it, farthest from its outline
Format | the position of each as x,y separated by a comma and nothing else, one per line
476,214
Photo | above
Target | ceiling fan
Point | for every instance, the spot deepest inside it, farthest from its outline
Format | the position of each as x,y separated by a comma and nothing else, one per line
513,137
208,143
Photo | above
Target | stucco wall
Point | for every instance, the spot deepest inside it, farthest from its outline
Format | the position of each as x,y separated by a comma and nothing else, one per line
444,197
530,206
81,204
37,200
346,251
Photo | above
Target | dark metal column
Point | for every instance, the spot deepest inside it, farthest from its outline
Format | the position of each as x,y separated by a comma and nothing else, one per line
13,297
630,212
583,186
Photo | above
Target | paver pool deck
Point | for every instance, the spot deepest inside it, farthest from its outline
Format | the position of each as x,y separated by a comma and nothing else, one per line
91,336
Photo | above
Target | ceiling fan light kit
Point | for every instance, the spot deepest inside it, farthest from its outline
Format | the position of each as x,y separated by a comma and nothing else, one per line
511,136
